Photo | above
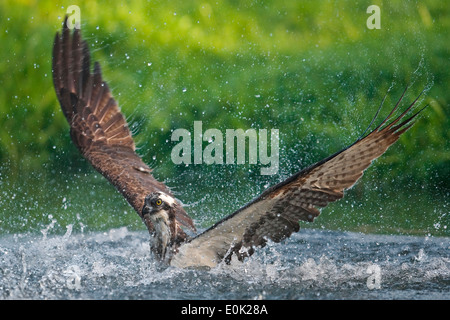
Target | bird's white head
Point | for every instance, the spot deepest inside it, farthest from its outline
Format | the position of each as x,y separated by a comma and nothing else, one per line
156,202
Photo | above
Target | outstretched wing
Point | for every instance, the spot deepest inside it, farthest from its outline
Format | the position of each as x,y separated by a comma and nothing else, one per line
97,126
275,214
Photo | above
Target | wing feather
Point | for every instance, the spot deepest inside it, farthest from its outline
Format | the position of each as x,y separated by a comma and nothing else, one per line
276,212
97,126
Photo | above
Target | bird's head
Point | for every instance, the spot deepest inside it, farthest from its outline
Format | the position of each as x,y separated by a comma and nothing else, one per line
156,202
161,207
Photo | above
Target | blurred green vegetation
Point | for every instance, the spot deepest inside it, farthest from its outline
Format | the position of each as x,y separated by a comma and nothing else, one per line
311,69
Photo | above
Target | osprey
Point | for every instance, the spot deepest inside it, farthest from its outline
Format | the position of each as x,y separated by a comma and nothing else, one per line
101,133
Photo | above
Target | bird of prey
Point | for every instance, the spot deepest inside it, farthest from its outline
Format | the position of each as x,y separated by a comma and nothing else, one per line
101,133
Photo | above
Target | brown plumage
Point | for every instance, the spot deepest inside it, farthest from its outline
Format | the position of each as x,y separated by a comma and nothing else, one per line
97,126
101,133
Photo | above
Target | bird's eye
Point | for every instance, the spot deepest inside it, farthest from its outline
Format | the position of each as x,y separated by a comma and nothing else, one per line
158,202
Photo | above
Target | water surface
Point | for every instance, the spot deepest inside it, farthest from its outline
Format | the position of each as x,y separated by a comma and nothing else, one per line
312,264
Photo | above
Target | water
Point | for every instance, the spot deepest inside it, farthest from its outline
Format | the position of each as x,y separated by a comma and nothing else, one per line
313,264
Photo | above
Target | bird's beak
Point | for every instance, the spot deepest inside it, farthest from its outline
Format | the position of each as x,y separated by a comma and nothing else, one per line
146,210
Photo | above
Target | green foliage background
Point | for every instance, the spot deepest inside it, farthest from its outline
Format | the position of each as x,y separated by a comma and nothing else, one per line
311,69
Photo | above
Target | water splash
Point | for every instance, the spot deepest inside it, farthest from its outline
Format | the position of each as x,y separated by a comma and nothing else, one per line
312,264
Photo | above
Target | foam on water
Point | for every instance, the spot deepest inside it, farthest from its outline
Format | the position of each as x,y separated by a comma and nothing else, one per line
312,264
